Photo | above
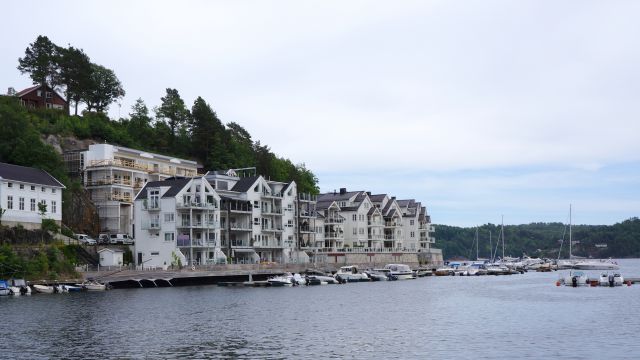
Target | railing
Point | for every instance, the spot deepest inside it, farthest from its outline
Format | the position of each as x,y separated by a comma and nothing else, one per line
274,195
244,208
151,168
334,235
113,197
375,223
196,205
196,242
150,206
333,220
272,212
105,181
272,228
198,224
307,197
391,224
390,237
150,226
376,237
268,244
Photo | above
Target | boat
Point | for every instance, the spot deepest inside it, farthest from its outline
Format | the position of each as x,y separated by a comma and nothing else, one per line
401,271
351,274
4,288
422,272
297,279
19,287
575,279
280,280
611,280
71,288
596,265
477,269
445,271
92,285
377,275
44,289
318,277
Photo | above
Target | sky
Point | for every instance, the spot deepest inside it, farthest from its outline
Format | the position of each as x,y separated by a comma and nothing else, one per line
478,109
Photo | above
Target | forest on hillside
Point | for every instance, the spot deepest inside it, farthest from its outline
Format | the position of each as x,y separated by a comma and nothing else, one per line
173,128
541,239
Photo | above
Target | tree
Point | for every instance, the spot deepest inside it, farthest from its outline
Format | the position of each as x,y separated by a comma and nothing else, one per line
206,131
40,61
103,89
75,73
2,211
139,125
173,110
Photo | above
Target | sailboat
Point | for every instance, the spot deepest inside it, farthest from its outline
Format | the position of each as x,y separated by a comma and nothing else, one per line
566,263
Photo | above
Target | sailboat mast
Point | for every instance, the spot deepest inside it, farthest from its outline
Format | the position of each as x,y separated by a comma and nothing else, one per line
502,230
570,232
477,241
490,247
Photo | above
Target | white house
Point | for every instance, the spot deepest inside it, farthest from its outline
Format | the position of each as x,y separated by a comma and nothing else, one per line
111,257
22,189
177,222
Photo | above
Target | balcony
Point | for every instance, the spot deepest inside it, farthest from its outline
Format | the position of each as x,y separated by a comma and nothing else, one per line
269,244
151,205
375,223
334,235
391,224
105,181
112,197
307,197
376,237
272,228
306,214
195,206
333,220
239,226
196,243
141,166
198,225
272,211
272,196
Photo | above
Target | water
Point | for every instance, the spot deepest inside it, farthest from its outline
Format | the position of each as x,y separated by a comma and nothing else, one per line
519,316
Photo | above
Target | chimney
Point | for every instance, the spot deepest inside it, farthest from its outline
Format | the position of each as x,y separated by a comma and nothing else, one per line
343,191
393,198
369,193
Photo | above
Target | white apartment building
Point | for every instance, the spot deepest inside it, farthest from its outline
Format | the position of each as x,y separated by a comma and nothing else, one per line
22,189
113,175
394,236
177,221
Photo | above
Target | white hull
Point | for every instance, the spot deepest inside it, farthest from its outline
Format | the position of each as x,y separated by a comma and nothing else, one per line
43,289
596,265
403,276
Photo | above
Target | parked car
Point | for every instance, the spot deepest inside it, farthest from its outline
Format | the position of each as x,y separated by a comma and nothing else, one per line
103,239
86,239
120,239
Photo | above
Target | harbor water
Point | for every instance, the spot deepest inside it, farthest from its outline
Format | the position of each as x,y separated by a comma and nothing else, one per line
508,317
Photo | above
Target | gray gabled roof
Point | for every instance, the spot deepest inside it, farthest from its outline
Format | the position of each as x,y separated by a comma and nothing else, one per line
378,197
175,185
337,196
28,175
245,184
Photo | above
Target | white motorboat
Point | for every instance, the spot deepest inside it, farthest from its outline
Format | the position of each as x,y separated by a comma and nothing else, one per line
93,285
445,271
400,271
351,274
377,275
596,265
611,280
575,279
19,287
297,279
281,280
5,290
71,288
44,289
477,269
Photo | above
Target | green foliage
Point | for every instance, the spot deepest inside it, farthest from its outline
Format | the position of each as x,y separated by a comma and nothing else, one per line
50,225
40,61
542,239
103,89
173,110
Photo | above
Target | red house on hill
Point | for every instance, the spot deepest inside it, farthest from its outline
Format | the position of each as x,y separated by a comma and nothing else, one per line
32,98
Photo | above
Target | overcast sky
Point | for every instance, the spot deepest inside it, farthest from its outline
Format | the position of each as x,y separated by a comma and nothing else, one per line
475,108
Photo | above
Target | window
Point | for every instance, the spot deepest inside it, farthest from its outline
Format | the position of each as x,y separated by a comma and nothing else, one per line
10,185
413,234
49,95
256,221
354,217
9,202
54,207
39,93
53,191
43,189
21,186
33,188
355,231
33,204
169,217
411,222
155,253
21,203
361,231
256,204
169,236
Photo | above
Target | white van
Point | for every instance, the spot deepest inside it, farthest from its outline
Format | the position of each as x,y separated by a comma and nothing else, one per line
120,239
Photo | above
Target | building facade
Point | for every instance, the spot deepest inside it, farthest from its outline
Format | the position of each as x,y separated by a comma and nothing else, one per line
113,175
33,98
179,224
22,189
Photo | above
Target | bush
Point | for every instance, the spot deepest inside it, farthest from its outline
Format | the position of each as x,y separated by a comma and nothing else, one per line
50,225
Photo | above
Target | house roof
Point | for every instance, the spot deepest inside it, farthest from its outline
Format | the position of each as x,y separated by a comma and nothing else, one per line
378,197
110,250
245,183
337,196
175,185
28,175
36,87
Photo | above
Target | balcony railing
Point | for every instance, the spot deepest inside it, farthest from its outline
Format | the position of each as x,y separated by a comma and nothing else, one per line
112,197
376,237
268,244
334,220
272,228
151,226
196,242
375,223
196,205
198,224
272,211
333,235
272,195
150,168
391,224
105,181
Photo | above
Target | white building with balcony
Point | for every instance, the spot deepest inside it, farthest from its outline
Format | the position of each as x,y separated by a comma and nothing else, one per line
22,189
113,175
177,221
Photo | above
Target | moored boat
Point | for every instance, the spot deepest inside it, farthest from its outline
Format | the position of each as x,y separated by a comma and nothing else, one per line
575,279
351,274
400,271
92,285
280,280
44,289
4,288
596,265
